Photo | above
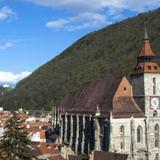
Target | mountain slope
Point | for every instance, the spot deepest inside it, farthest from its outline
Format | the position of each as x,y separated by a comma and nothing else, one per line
110,51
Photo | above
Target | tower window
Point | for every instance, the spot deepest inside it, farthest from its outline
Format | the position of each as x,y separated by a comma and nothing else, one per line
122,129
154,85
154,113
149,67
156,135
124,88
122,132
139,134
155,67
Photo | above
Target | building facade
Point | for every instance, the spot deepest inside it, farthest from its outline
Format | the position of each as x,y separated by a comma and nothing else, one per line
113,114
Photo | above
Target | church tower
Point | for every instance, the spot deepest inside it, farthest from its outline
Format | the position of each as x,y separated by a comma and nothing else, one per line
146,80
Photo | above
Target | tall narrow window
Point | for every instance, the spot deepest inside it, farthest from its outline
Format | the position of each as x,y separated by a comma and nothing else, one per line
156,135
122,134
122,145
154,113
139,134
122,130
154,85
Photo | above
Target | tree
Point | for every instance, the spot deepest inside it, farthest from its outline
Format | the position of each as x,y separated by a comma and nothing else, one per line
15,144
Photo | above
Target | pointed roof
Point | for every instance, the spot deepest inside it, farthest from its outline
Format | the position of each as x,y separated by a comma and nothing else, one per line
124,88
146,59
146,48
123,103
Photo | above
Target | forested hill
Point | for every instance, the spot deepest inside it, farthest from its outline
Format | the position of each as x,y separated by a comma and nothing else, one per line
109,51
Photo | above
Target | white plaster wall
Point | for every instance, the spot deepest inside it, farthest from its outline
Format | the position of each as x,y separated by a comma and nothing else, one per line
1,131
116,136
148,85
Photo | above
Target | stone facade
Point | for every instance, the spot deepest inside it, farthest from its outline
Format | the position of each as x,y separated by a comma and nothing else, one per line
123,118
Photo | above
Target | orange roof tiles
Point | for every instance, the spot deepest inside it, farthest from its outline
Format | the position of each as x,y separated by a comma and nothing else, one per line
147,67
124,88
124,105
49,150
146,49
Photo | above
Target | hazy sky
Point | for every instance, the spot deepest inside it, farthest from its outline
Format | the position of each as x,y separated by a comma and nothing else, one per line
34,31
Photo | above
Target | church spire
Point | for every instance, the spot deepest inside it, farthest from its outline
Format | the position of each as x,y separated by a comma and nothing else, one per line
146,58
145,34
146,48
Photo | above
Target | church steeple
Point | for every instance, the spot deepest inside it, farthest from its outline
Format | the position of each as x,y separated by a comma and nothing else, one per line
146,48
145,58
145,34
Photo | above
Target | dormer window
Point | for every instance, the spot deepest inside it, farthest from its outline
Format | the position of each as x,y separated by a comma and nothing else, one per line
155,67
139,67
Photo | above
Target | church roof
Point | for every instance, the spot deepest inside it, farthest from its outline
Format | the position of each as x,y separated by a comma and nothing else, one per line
147,67
146,59
107,94
126,107
94,93
123,103
146,48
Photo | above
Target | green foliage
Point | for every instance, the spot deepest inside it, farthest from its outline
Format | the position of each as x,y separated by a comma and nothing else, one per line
109,51
4,90
14,144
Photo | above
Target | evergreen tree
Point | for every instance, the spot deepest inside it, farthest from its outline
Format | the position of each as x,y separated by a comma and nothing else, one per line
15,144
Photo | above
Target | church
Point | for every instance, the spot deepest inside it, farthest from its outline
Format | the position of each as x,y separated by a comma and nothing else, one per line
116,115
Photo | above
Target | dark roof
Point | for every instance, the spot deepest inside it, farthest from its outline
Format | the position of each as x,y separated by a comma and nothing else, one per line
101,155
77,157
92,94
124,107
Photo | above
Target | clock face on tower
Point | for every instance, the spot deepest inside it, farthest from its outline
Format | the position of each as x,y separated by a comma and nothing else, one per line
155,103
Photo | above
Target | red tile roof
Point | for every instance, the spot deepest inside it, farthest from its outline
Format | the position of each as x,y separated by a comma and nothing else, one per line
147,67
123,103
49,150
146,49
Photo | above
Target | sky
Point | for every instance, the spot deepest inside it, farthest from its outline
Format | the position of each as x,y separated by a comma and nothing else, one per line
33,32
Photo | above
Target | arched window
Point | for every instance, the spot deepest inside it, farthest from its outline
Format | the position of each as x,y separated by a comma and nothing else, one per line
156,135
122,129
139,134
154,113
154,85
